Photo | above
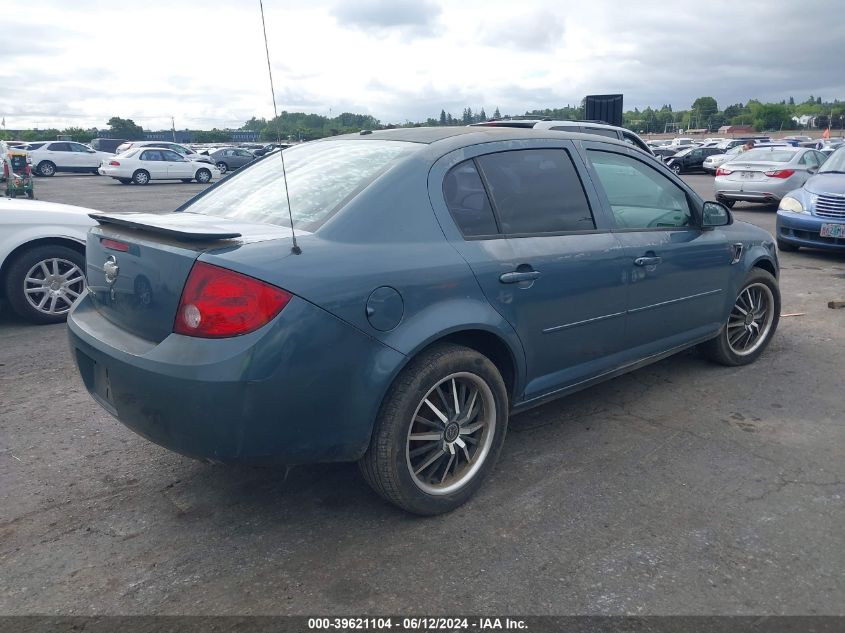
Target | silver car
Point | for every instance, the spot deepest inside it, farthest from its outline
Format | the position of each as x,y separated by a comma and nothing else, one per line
766,174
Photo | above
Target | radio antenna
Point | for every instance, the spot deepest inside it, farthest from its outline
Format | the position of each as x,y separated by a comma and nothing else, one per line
295,249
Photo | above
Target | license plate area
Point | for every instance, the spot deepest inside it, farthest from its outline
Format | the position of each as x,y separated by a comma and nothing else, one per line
747,175
832,230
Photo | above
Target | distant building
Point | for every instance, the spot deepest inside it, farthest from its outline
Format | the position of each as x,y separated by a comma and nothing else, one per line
181,136
736,129
244,136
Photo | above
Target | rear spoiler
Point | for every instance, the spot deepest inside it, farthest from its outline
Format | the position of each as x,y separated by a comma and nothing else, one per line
184,226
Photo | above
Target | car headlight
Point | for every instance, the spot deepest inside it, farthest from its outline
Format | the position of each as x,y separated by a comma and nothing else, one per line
792,205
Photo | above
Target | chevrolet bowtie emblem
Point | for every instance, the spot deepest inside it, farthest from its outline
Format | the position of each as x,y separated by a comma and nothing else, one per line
111,269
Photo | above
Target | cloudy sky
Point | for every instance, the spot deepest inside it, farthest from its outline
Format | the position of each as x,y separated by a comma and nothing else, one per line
203,62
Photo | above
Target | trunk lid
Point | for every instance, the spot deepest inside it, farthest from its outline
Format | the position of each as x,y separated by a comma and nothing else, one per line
137,263
751,171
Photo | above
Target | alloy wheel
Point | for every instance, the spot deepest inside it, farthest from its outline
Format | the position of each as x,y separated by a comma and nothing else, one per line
451,433
52,285
750,319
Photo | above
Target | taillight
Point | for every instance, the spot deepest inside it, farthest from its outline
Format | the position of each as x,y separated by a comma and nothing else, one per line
780,173
723,172
217,303
114,163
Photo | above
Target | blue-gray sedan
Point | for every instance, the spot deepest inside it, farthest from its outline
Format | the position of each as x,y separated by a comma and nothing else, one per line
814,215
440,279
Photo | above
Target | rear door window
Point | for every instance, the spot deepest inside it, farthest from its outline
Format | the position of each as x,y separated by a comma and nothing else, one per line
151,154
59,147
467,201
536,191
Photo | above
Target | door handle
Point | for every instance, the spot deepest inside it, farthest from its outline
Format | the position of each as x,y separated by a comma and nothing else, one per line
647,261
517,276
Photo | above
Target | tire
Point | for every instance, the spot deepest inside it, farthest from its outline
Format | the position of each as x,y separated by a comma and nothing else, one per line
727,347
141,177
96,172
203,176
28,265
786,247
46,168
223,167
676,168
728,203
30,194
387,464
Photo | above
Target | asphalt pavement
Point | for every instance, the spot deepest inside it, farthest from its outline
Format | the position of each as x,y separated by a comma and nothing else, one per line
681,488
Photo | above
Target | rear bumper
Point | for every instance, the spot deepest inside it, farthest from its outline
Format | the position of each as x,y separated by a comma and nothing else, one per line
751,191
305,388
801,229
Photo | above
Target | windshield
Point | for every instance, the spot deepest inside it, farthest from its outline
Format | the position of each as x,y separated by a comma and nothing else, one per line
835,162
772,155
322,176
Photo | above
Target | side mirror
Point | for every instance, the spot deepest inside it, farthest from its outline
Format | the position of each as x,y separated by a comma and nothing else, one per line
715,214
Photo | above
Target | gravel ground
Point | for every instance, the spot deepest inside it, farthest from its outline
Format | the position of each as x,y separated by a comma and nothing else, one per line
682,488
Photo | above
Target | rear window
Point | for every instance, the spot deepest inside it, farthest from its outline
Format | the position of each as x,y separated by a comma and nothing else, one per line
321,176
776,156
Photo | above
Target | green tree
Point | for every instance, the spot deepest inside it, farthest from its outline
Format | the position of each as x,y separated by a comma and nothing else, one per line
443,117
482,116
496,113
705,107
125,128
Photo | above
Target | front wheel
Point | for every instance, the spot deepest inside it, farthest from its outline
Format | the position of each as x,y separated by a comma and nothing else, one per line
439,431
203,176
751,324
675,167
786,247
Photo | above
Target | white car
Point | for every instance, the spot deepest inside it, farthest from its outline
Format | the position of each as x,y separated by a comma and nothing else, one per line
42,257
55,156
143,164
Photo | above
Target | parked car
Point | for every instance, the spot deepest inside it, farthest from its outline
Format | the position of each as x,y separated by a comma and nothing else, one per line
187,152
766,174
65,156
814,215
712,163
584,127
143,164
664,153
231,158
107,144
42,257
691,159
504,279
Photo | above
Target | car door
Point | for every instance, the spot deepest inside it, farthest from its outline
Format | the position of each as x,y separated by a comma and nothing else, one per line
61,155
243,157
153,162
84,157
177,165
694,159
538,243
678,271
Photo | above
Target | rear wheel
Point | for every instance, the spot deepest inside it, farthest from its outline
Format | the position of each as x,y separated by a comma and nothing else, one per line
439,431
786,247
43,282
141,177
203,176
223,167
751,324
46,168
